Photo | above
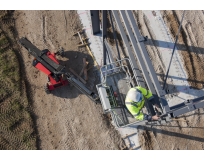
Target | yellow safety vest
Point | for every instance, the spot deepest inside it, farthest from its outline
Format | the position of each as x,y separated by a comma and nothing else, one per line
135,108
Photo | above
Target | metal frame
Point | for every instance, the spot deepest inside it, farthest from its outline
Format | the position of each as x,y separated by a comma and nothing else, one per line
145,64
111,76
139,79
133,63
111,68
138,55
187,106
161,93
118,111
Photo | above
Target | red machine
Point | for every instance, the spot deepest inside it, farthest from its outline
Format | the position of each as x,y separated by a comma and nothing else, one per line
46,62
55,80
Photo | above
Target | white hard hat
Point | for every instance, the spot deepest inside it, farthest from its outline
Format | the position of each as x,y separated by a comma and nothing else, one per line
134,95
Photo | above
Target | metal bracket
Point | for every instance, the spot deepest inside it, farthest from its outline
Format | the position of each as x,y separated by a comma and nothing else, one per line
190,105
143,39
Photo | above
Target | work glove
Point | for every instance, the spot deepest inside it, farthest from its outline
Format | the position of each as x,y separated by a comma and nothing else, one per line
150,118
155,118
147,117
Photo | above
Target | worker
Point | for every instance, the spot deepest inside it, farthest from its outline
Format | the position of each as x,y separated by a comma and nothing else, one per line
135,100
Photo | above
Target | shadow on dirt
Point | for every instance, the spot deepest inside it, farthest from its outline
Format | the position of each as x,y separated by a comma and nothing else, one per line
178,126
169,45
170,133
74,60
184,79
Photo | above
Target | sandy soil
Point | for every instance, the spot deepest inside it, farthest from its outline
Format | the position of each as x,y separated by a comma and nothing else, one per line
178,134
65,119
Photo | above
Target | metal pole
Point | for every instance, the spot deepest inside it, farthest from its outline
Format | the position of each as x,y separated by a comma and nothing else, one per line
104,34
109,51
95,21
104,23
113,29
104,53
173,51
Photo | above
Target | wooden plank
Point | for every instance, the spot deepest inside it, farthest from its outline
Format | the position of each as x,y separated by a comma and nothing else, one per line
90,68
81,79
84,65
95,62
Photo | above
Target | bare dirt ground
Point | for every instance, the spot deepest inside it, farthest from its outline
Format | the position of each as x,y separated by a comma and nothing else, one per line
16,124
65,119
178,134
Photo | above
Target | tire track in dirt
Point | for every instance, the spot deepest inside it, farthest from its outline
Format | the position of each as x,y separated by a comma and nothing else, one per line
146,139
71,140
11,140
78,124
195,50
68,138
191,37
65,22
43,30
46,40
197,121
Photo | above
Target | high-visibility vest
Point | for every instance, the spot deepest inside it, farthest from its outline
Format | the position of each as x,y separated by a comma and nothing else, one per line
135,108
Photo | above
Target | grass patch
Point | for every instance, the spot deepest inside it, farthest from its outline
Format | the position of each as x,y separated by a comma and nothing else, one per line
3,41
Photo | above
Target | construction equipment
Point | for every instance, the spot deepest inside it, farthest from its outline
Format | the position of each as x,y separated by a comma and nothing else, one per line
46,62
117,77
